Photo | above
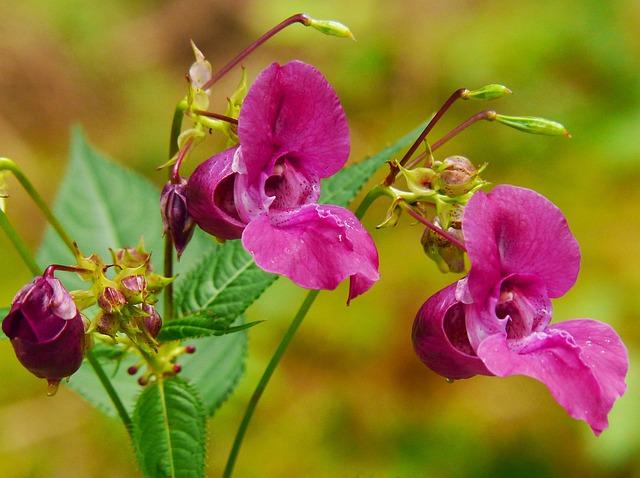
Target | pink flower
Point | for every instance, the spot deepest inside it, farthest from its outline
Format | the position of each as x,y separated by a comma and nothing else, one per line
522,255
293,132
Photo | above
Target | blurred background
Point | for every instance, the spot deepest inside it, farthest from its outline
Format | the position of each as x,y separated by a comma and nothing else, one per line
350,398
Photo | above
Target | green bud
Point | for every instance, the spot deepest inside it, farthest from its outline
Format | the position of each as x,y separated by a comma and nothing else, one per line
489,92
393,215
448,256
330,27
419,180
532,124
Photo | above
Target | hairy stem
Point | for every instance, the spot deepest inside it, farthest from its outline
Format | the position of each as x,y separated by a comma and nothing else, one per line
7,164
19,244
108,387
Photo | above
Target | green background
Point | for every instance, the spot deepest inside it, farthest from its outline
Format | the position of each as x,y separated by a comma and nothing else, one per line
350,398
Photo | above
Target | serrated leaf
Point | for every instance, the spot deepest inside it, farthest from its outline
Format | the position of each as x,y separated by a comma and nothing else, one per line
212,295
103,205
345,185
169,430
214,370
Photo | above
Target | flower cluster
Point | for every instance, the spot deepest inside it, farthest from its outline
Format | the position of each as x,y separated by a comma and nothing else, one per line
496,321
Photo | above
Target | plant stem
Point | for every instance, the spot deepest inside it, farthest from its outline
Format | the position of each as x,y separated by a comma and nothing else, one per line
19,244
488,115
282,347
108,387
413,213
218,116
297,18
264,380
7,164
176,128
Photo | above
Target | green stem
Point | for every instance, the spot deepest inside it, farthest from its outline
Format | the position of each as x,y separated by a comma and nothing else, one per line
108,387
19,244
176,127
264,380
7,164
282,347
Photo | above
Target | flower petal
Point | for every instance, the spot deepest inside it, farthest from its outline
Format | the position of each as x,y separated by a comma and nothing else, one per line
292,110
316,246
603,351
516,230
210,197
440,337
554,358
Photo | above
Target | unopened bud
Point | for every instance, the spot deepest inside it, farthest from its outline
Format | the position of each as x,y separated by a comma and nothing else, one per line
177,222
107,324
134,288
190,349
488,92
457,176
132,370
143,380
448,256
177,368
152,320
200,71
111,300
534,125
132,258
330,27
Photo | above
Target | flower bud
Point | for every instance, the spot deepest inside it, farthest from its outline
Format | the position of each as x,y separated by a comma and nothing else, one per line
134,288
457,176
132,258
531,124
111,300
448,256
46,329
488,92
152,321
108,324
200,71
177,222
330,27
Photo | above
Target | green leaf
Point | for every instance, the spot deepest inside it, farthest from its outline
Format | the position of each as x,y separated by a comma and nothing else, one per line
103,205
214,370
345,185
212,295
169,430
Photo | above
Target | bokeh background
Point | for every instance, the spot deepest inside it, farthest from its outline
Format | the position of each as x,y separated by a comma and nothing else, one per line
350,398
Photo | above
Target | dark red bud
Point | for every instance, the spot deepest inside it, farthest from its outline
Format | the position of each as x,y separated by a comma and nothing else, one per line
190,349
177,368
177,222
46,329
111,300
108,324
152,321
143,380
132,370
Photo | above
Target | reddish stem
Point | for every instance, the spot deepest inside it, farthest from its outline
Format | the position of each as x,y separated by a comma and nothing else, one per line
297,18
48,272
456,95
488,115
435,228
175,173
209,114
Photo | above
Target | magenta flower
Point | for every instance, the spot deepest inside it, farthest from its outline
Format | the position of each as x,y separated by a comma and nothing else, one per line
522,255
46,329
293,132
